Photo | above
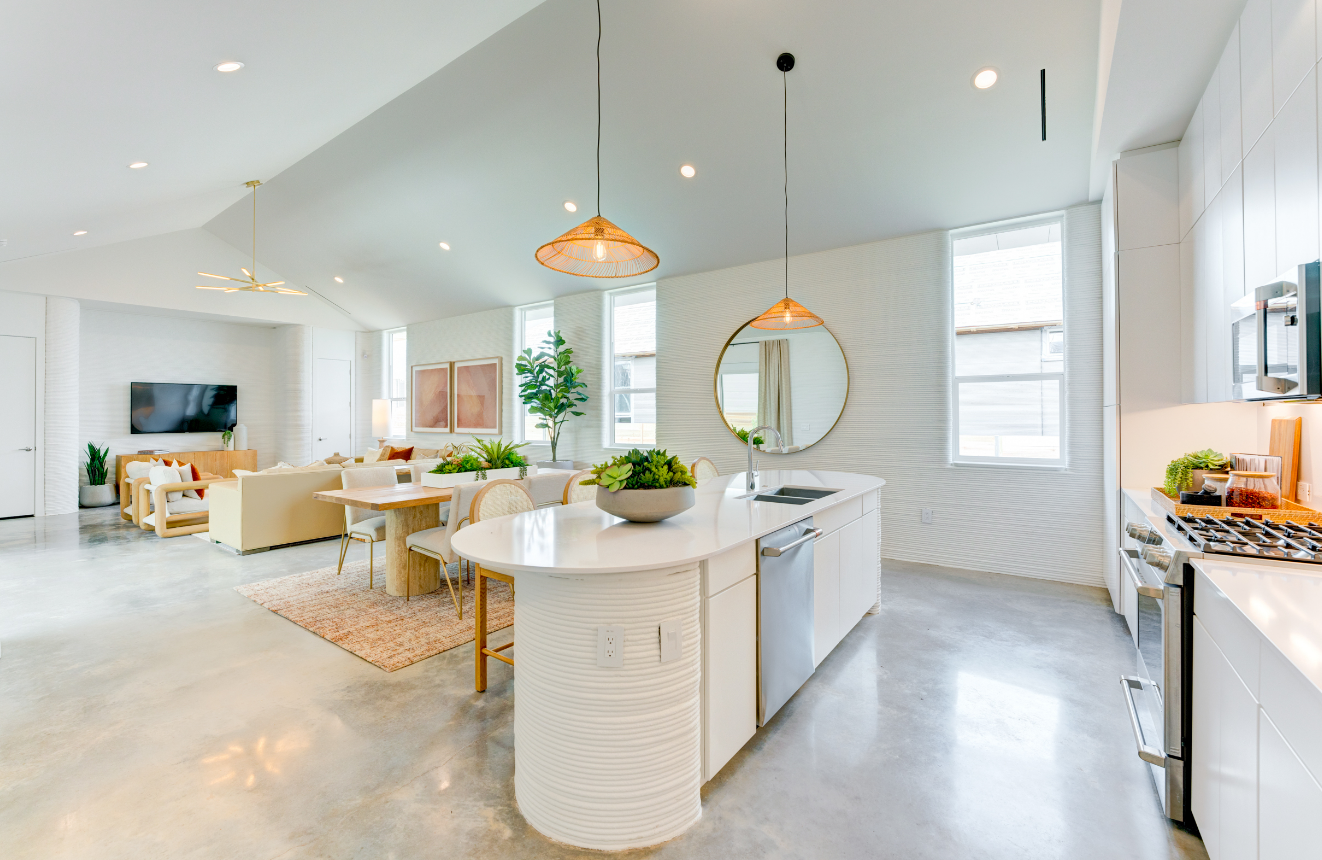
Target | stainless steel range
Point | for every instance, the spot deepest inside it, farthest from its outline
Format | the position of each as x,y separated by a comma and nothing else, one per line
1252,539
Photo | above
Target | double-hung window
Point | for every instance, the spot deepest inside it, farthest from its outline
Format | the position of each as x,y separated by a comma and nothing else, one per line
398,382
534,326
633,367
1008,392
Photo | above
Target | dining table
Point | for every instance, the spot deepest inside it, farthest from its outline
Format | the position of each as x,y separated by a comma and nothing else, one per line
408,508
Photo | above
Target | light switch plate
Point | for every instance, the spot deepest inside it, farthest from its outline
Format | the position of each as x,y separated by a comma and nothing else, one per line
610,646
672,640
1304,492
927,516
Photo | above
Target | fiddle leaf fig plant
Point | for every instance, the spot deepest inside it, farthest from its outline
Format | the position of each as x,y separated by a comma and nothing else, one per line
549,385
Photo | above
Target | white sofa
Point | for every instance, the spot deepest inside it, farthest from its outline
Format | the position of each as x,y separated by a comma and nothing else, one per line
260,510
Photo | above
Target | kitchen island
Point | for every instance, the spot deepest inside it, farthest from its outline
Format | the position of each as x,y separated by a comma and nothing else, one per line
614,756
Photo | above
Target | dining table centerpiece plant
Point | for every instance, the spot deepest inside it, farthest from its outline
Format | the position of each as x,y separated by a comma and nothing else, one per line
1180,471
551,387
483,458
97,493
643,486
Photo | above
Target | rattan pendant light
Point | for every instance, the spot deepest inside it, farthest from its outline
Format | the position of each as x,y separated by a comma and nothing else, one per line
786,313
597,248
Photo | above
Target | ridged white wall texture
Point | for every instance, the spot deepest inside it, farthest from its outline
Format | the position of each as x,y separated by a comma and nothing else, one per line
120,348
60,458
293,395
607,758
581,319
888,303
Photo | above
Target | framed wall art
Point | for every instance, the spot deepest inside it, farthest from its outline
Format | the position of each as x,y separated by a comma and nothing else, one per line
477,396
433,409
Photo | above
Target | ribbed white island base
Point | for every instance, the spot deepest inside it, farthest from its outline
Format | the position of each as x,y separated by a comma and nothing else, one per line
607,758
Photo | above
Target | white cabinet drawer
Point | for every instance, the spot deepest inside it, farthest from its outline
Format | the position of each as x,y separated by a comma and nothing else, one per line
729,675
834,518
1232,632
1289,800
1294,705
724,570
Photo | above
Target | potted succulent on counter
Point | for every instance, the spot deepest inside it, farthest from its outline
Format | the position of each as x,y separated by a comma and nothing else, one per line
97,493
485,459
550,387
1186,473
643,486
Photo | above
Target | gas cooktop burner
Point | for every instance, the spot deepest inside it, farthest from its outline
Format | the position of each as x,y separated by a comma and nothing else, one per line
1254,538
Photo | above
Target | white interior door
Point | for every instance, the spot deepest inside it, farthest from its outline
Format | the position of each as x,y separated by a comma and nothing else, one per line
331,413
18,426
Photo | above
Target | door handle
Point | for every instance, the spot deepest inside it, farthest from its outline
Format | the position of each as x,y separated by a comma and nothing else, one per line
321,438
775,551
27,449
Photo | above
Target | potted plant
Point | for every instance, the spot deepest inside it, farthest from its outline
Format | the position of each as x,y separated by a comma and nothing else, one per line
1186,473
227,439
486,459
643,486
97,493
742,433
550,387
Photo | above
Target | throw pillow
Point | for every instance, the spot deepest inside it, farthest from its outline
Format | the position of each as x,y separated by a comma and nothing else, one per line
374,454
161,475
425,453
137,469
193,475
401,453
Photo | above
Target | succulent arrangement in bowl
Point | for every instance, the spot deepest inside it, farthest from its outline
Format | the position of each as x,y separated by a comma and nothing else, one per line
1180,471
643,486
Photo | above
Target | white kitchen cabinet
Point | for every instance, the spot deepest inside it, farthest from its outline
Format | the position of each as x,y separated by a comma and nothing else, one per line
1289,800
1210,296
1225,737
1202,305
1294,33
1255,70
858,570
1294,135
1146,184
1192,363
1260,212
729,674
1193,192
1232,243
1227,73
826,596
1211,109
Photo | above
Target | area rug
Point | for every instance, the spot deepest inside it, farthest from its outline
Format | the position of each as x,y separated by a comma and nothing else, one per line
384,630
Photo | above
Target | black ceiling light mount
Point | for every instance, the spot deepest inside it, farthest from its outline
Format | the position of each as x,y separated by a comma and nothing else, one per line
785,62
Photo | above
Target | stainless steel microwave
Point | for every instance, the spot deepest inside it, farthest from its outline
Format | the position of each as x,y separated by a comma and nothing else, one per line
1276,353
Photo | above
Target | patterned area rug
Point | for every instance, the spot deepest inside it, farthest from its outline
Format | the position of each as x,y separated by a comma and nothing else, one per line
383,630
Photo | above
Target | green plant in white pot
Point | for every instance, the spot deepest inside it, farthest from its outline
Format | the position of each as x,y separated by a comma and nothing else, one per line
643,486
549,385
97,493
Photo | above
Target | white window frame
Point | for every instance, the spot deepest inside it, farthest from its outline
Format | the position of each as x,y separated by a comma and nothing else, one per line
958,459
390,377
611,390
520,329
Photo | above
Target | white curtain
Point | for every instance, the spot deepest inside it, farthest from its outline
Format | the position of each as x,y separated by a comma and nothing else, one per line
773,388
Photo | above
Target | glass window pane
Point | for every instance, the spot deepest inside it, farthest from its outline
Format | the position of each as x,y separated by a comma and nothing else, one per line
1029,350
1010,419
398,364
624,373
1008,278
398,408
738,393
636,424
634,323
538,323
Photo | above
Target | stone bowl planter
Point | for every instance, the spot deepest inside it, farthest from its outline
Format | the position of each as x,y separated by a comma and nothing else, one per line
556,464
96,495
646,506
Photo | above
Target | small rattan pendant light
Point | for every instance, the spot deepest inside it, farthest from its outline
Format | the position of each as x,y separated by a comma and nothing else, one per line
597,248
786,313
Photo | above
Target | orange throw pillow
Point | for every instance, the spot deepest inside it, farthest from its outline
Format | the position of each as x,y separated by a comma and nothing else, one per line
197,476
401,453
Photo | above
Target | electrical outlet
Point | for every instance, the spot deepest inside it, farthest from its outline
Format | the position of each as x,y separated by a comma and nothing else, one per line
1305,492
927,516
672,640
610,646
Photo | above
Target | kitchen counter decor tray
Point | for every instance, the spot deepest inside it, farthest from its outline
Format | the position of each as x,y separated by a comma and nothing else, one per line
1289,511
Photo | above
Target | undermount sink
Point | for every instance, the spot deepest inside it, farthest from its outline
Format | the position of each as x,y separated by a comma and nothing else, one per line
789,495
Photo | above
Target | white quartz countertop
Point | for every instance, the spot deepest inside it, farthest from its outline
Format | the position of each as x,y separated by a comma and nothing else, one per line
1284,604
582,538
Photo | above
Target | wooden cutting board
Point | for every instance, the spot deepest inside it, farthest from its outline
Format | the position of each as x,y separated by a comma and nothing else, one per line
1285,444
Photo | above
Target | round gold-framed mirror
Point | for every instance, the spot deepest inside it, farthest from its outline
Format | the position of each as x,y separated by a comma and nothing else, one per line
796,381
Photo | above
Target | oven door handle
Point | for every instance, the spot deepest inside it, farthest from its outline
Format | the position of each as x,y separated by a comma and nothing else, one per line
1147,752
1127,559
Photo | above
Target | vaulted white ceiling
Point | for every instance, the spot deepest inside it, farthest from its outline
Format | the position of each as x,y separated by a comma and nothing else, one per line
382,129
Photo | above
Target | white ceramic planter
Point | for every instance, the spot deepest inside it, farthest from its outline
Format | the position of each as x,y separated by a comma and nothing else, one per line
96,495
430,479
567,465
646,506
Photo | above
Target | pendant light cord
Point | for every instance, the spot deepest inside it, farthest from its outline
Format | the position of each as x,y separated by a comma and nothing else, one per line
254,232
598,108
785,79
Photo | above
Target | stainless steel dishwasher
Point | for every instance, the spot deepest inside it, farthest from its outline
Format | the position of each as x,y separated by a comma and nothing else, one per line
784,615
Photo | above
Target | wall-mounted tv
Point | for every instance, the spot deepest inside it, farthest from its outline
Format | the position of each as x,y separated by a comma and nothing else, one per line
173,407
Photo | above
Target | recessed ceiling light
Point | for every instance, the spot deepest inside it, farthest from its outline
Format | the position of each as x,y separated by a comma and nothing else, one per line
339,280
687,171
229,66
81,233
445,246
985,78
570,206
138,165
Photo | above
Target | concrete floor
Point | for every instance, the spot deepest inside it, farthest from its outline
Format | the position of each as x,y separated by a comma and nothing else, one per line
148,710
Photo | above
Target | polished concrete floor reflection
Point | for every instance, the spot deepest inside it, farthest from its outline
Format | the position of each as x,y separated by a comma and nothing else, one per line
148,710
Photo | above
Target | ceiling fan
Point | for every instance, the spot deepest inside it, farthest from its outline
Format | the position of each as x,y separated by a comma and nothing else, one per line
251,284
